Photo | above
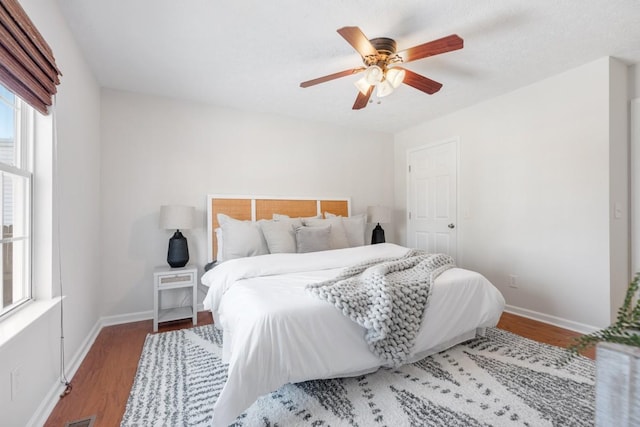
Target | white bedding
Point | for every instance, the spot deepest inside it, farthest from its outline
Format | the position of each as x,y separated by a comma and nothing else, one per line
275,332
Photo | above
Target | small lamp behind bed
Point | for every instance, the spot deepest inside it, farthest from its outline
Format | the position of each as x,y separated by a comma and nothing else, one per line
377,215
177,218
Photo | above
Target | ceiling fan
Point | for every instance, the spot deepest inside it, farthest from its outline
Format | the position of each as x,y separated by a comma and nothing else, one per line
381,70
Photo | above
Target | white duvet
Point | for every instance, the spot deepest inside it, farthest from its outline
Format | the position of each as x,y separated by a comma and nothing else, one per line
275,332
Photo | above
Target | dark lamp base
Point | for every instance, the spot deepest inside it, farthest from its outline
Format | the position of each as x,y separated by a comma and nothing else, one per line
178,253
378,235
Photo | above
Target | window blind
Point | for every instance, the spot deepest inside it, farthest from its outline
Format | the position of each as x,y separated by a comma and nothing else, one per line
27,65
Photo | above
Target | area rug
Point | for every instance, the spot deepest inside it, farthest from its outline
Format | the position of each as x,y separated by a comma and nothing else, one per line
499,380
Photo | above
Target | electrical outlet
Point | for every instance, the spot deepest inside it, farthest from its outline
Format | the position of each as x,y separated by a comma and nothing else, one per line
16,379
513,281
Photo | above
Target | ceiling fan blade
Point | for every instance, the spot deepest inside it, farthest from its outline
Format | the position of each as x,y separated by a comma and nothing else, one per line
332,77
435,47
362,99
356,38
421,82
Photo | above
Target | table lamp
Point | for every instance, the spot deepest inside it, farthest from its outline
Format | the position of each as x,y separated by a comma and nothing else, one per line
173,217
377,215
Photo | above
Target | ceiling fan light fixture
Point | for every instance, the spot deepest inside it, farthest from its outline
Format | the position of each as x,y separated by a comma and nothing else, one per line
373,75
384,88
362,85
395,76
380,70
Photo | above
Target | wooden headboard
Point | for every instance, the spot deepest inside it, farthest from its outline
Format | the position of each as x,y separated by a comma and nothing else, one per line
253,208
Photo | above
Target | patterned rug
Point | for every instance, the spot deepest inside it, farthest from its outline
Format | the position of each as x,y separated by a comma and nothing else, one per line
499,380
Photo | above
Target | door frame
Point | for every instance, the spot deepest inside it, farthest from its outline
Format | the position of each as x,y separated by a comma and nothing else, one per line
455,140
634,155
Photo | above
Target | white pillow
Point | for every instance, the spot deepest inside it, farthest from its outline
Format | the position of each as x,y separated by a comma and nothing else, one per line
280,235
279,217
337,237
354,227
313,239
241,238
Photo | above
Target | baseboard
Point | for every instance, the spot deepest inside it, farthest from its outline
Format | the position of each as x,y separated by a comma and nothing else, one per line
119,319
552,320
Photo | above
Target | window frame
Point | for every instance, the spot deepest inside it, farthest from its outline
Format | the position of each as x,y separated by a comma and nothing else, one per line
24,122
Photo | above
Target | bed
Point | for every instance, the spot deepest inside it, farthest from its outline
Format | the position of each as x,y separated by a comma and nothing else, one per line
276,331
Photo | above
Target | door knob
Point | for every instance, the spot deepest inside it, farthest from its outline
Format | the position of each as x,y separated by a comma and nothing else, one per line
451,226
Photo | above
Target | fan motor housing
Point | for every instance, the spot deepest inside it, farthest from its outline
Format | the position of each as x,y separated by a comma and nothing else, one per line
384,45
386,48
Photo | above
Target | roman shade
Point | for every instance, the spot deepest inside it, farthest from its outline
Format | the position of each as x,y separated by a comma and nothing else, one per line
27,65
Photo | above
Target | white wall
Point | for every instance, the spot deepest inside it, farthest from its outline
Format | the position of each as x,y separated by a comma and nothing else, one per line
36,349
534,178
159,151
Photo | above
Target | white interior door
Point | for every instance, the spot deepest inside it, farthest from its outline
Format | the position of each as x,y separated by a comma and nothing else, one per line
432,198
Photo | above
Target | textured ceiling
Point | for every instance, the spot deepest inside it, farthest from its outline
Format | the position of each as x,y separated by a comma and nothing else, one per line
252,55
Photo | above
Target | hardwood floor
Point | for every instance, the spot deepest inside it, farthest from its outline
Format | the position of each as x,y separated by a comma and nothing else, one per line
102,383
541,332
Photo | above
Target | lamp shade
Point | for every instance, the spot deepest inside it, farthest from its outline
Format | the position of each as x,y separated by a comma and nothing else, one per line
362,85
384,88
379,214
174,217
373,74
395,76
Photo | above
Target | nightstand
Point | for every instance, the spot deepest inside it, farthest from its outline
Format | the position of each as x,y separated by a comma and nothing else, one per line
165,278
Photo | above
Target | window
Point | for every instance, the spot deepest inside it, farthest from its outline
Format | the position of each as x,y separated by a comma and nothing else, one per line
16,135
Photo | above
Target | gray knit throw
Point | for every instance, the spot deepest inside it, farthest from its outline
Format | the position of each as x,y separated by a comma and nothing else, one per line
387,297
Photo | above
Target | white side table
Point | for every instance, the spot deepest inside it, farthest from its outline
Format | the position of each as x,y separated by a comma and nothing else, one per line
165,278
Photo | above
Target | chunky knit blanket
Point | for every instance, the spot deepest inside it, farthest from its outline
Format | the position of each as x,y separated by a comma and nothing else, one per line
388,297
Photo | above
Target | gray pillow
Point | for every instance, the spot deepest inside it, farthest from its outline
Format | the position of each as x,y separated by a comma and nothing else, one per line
281,235
354,227
241,238
338,236
313,239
